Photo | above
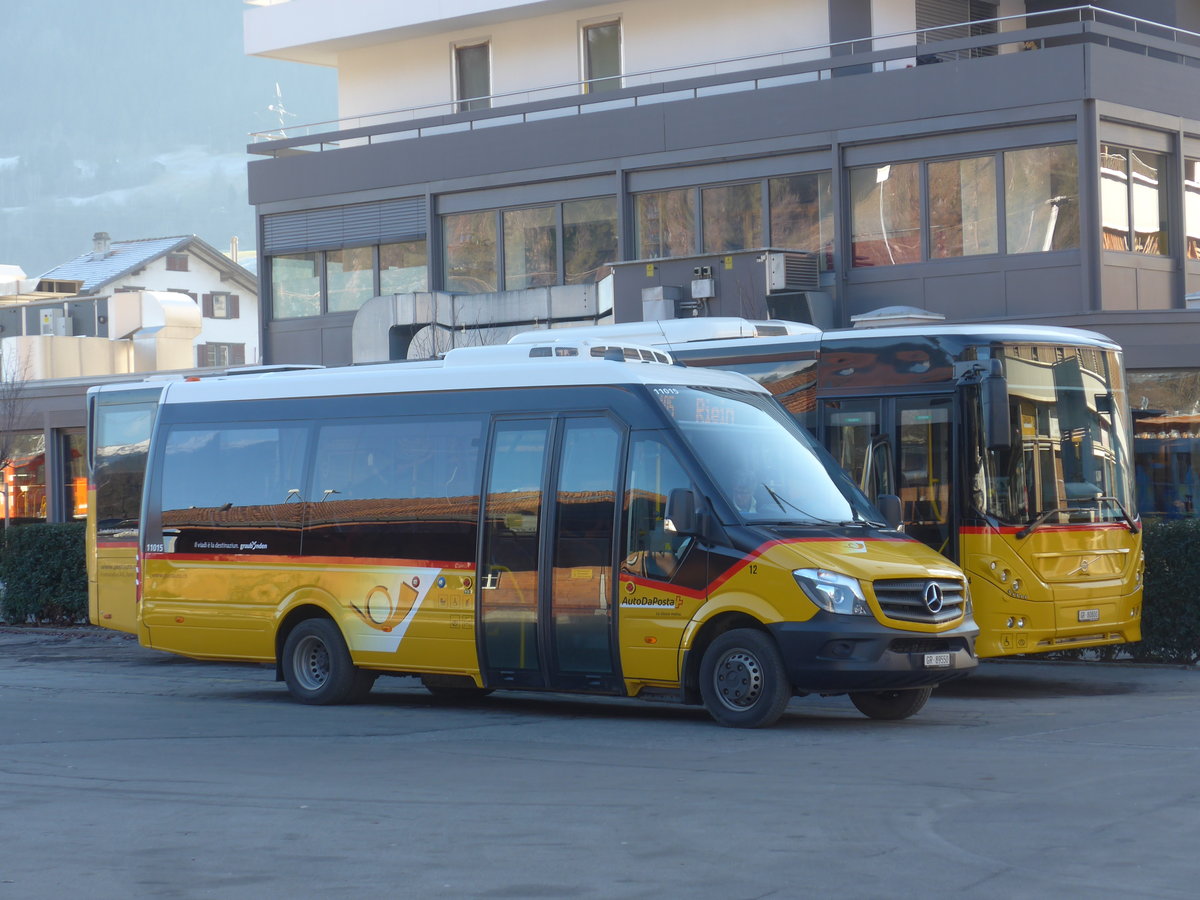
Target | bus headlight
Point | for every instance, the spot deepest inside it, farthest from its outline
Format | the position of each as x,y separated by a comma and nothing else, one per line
833,592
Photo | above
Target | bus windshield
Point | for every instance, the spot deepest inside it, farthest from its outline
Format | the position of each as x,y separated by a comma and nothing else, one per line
768,469
1069,458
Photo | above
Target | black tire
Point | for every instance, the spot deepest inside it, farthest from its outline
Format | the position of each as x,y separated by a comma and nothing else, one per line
743,681
891,704
317,666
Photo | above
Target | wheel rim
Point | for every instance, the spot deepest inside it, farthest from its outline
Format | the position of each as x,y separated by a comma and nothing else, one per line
738,680
310,661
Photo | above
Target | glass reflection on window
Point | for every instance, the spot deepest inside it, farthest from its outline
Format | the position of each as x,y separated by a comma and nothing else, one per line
732,216
469,240
885,214
295,285
962,207
666,223
1041,199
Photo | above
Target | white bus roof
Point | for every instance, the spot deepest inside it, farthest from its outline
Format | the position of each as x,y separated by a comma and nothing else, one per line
552,364
697,333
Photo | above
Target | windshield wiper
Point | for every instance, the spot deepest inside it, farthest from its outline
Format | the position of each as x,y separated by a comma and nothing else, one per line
784,504
1041,518
1133,526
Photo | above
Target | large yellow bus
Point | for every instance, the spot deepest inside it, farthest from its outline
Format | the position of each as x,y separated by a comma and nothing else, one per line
1009,446
552,517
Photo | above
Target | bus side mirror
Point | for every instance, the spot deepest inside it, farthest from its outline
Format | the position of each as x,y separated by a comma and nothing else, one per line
993,394
681,517
889,505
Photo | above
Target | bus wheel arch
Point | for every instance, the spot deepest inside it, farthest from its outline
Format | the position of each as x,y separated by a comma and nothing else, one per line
314,660
736,669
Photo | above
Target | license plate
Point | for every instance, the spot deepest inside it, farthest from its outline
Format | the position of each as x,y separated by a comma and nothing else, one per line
937,660
1089,615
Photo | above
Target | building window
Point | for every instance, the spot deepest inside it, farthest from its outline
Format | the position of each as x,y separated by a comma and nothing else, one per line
962,207
959,200
473,76
666,223
732,217
1041,199
177,262
296,285
221,355
530,247
25,479
339,281
949,20
589,238
350,278
219,306
531,237
469,245
403,268
1191,206
1133,200
602,57
885,214
74,474
802,214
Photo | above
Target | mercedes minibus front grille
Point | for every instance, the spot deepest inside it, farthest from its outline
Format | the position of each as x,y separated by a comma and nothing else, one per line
929,600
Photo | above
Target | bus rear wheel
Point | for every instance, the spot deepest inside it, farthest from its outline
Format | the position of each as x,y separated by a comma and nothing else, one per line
890,704
317,666
743,680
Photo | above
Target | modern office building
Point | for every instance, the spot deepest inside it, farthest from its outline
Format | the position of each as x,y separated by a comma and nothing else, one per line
507,164
807,159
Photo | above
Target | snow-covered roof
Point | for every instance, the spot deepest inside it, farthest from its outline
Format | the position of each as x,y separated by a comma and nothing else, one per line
96,270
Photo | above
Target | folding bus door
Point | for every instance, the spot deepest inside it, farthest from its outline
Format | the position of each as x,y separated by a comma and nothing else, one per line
545,584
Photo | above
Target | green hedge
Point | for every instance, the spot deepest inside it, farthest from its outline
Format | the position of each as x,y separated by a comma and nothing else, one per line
1171,606
44,573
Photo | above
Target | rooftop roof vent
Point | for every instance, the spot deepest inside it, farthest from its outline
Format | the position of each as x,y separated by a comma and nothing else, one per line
888,316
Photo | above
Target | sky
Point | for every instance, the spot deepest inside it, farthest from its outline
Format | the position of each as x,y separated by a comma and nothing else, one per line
133,117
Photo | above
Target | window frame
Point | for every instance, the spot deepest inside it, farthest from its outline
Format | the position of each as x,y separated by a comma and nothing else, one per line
499,214
1000,165
1160,239
597,84
482,101
322,277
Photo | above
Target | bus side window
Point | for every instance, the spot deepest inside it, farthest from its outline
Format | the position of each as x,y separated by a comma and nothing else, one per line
650,550
396,488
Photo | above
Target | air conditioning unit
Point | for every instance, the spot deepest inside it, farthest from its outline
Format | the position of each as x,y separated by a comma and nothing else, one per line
790,272
55,322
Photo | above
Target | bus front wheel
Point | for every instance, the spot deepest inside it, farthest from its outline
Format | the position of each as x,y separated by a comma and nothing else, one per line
890,704
743,680
317,666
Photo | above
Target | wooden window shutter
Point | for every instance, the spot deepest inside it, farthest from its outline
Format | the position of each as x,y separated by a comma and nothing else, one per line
206,306
232,306
237,354
201,355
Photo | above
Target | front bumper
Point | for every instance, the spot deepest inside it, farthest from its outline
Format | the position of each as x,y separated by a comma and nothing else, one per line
833,654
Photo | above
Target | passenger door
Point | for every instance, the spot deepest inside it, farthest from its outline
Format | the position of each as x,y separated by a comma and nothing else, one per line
545,578
912,436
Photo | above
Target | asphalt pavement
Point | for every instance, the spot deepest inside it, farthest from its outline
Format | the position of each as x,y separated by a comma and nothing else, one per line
129,773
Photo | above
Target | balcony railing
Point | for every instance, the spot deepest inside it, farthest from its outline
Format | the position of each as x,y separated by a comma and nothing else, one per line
878,53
